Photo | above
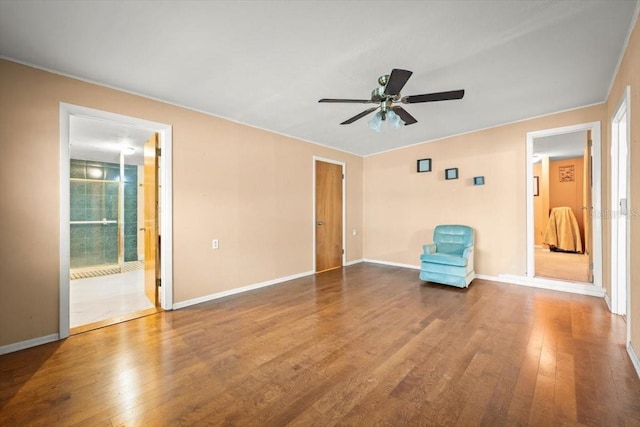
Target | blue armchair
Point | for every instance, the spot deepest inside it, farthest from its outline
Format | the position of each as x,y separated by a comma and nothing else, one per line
449,259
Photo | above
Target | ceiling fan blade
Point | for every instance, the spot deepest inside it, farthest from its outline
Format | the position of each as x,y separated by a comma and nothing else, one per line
430,97
350,101
407,118
359,116
397,80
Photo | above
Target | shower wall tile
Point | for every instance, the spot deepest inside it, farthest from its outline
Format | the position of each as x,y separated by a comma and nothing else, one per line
112,174
78,202
130,229
77,232
95,188
95,201
111,257
95,245
78,247
131,174
77,169
95,258
78,188
130,248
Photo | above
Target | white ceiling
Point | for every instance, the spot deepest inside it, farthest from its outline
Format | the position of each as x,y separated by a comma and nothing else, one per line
561,146
266,63
101,140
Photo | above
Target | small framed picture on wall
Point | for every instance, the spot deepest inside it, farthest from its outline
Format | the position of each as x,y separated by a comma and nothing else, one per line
451,173
424,165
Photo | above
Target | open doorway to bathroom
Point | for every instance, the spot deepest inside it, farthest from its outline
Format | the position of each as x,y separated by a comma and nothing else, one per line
107,222
115,204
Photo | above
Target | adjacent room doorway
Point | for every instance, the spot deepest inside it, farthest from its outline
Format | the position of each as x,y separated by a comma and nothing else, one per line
562,206
582,168
115,202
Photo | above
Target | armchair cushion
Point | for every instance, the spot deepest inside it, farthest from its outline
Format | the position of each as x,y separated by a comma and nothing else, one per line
447,259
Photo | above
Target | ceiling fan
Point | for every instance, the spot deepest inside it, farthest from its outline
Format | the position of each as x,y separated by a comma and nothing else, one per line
387,95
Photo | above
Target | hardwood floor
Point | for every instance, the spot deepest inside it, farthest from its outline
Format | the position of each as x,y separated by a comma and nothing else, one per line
364,345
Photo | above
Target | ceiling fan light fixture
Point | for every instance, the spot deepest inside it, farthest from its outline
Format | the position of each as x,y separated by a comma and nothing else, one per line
393,119
129,150
376,122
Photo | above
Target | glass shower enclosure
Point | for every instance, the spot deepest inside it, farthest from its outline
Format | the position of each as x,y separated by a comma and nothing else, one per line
103,220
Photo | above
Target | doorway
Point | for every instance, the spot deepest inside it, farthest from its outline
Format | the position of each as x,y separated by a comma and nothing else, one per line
620,139
329,214
564,161
112,196
562,180
102,239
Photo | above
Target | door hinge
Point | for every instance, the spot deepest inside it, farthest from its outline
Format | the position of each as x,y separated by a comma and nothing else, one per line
342,176
158,283
343,252
591,266
158,152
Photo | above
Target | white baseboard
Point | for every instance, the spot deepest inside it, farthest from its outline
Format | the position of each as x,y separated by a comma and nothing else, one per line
182,304
553,285
392,264
608,301
10,348
355,261
634,358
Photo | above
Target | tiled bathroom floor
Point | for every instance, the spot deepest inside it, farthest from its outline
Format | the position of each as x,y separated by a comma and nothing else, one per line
106,297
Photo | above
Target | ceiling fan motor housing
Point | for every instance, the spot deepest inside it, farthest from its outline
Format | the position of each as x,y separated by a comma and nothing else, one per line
378,95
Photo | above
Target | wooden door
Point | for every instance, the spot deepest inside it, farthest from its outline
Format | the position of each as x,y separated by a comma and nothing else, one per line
328,216
587,205
151,242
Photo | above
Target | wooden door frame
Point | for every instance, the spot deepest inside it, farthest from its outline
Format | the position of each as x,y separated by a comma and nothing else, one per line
344,206
165,181
596,198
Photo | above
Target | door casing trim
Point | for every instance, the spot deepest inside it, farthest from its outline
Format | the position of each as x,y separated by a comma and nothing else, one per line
624,105
166,184
596,198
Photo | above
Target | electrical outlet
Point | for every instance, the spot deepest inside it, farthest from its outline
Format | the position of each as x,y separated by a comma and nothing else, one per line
215,244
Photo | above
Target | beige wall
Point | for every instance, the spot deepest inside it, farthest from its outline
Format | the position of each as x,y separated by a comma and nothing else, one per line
541,202
402,206
628,75
249,188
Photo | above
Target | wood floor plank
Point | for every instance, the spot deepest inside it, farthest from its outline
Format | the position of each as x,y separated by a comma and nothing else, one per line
363,345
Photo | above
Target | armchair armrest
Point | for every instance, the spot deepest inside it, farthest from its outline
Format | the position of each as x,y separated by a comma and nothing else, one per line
467,251
429,249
